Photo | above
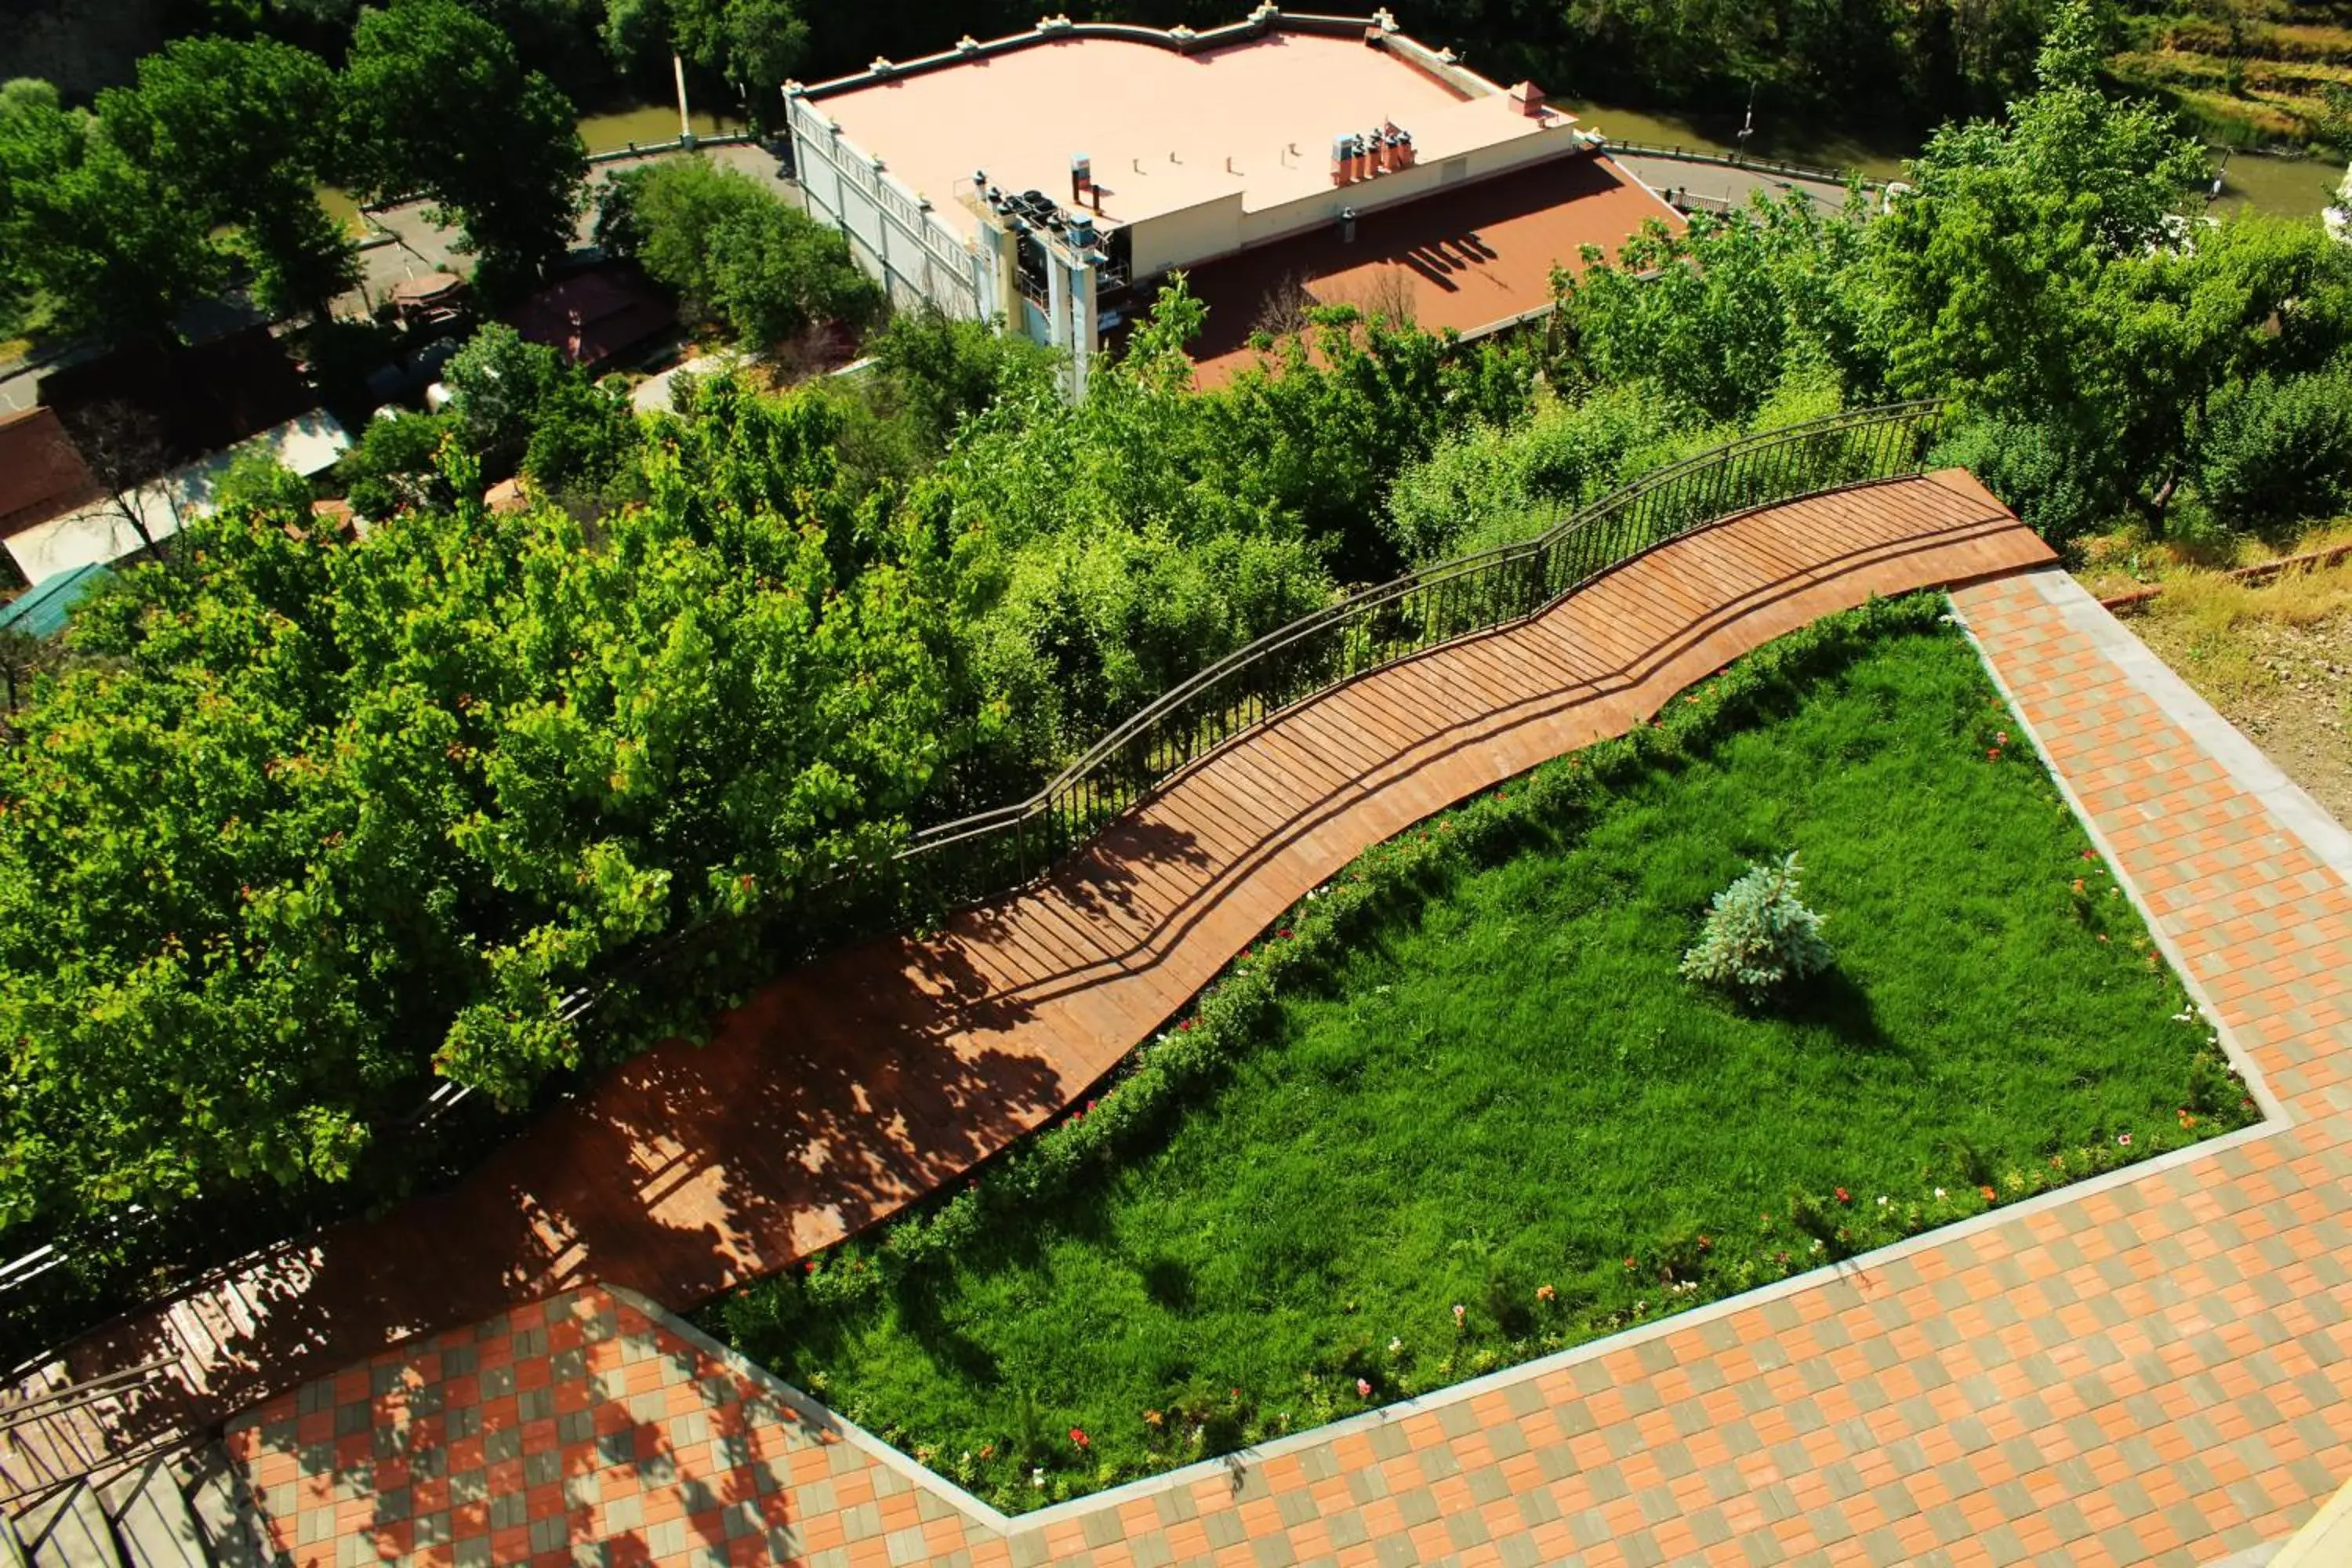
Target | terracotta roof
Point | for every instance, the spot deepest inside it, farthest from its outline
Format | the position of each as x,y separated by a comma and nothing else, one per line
1470,256
41,475
594,317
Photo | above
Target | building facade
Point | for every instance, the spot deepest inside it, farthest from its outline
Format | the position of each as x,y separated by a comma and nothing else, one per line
1052,180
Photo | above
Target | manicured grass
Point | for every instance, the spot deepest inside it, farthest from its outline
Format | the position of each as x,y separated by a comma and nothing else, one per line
1496,1099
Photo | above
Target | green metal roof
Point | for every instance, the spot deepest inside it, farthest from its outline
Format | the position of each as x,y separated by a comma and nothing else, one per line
42,608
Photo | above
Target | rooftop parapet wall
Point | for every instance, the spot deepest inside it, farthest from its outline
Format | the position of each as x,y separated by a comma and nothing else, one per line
1442,64
1236,132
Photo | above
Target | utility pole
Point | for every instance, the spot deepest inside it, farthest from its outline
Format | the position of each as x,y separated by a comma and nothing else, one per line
685,120
1748,128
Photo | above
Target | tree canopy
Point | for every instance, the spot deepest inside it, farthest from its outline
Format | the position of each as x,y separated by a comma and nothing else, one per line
736,250
245,131
438,103
111,245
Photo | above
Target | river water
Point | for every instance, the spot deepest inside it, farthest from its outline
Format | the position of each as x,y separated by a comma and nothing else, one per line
646,126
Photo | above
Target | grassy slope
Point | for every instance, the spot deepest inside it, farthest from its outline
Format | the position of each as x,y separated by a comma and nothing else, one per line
2264,86
1508,1086
2275,658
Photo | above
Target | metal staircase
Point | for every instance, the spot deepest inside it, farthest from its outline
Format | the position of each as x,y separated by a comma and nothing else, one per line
102,1474
188,1512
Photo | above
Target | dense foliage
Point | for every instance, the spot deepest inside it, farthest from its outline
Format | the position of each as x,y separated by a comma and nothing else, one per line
2040,279
302,825
322,819
299,827
737,251
439,104
115,219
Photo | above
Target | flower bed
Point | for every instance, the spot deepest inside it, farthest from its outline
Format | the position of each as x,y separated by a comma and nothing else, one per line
1459,1108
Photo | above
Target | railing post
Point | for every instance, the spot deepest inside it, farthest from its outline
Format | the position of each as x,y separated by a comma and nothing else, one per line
1333,645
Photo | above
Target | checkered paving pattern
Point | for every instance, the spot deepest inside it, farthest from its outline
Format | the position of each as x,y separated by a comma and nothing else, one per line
583,1428
2154,1367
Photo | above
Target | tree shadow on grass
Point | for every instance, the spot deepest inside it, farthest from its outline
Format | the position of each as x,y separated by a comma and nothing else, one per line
1833,1001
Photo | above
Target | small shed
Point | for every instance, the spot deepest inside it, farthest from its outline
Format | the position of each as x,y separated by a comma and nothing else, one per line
597,318
41,609
42,475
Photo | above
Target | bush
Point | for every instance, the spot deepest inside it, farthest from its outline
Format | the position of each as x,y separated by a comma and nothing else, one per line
2279,450
1758,937
737,251
2054,489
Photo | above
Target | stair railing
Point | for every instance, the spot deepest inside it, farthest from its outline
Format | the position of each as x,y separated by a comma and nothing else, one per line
994,851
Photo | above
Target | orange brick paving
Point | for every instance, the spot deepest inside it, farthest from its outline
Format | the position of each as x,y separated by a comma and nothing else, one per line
852,1086
2152,1368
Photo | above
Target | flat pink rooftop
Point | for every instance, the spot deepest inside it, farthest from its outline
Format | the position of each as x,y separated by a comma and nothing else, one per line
1165,131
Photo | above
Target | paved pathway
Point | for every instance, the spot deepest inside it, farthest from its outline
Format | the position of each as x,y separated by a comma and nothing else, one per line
2153,1367
848,1088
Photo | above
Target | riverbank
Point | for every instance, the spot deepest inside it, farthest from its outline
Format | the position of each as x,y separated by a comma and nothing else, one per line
2271,183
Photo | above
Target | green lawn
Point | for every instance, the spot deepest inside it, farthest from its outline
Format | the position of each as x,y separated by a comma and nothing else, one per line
1484,1091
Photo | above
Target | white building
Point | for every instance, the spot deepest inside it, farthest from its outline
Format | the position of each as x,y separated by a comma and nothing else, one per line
1052,178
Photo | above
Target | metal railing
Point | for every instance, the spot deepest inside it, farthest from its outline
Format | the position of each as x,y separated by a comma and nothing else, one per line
994,851
52,1435
1739,160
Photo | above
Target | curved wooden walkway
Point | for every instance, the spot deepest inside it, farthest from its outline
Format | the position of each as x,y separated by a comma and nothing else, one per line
846,1090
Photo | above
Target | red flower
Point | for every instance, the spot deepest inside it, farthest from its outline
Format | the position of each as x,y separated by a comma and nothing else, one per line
1078,1435
1187,1024
1992,753
1844,1196
1989,1194
1629,1263
809,1267
1284,933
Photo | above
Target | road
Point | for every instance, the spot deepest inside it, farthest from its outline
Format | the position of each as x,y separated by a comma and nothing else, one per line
1716,184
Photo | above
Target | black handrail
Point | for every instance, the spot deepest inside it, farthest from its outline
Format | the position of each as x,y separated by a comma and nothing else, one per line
994,851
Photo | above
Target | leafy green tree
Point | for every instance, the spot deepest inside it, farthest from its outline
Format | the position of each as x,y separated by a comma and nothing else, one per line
113,248
394,466
2279,449
1720,316
936,372
736,250
244,130
753,45
436,102
2001,276
497,383
585,437
324,821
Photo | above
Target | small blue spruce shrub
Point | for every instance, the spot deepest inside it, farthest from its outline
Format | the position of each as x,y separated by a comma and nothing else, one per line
1758,937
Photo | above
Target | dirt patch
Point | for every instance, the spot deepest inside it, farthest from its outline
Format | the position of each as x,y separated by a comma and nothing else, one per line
2275,659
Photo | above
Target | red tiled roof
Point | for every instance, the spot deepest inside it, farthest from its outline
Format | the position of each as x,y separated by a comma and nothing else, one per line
41,474
1470,256
593,317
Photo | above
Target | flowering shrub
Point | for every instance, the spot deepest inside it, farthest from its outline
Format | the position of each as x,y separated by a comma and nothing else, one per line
1758,937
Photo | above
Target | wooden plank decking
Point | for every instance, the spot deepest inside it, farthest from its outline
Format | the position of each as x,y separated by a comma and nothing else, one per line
843,1090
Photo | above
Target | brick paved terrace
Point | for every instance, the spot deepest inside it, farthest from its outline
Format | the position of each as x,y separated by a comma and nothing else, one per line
2149,1367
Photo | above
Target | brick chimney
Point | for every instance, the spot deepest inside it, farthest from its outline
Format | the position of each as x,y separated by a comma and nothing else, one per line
1528,99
